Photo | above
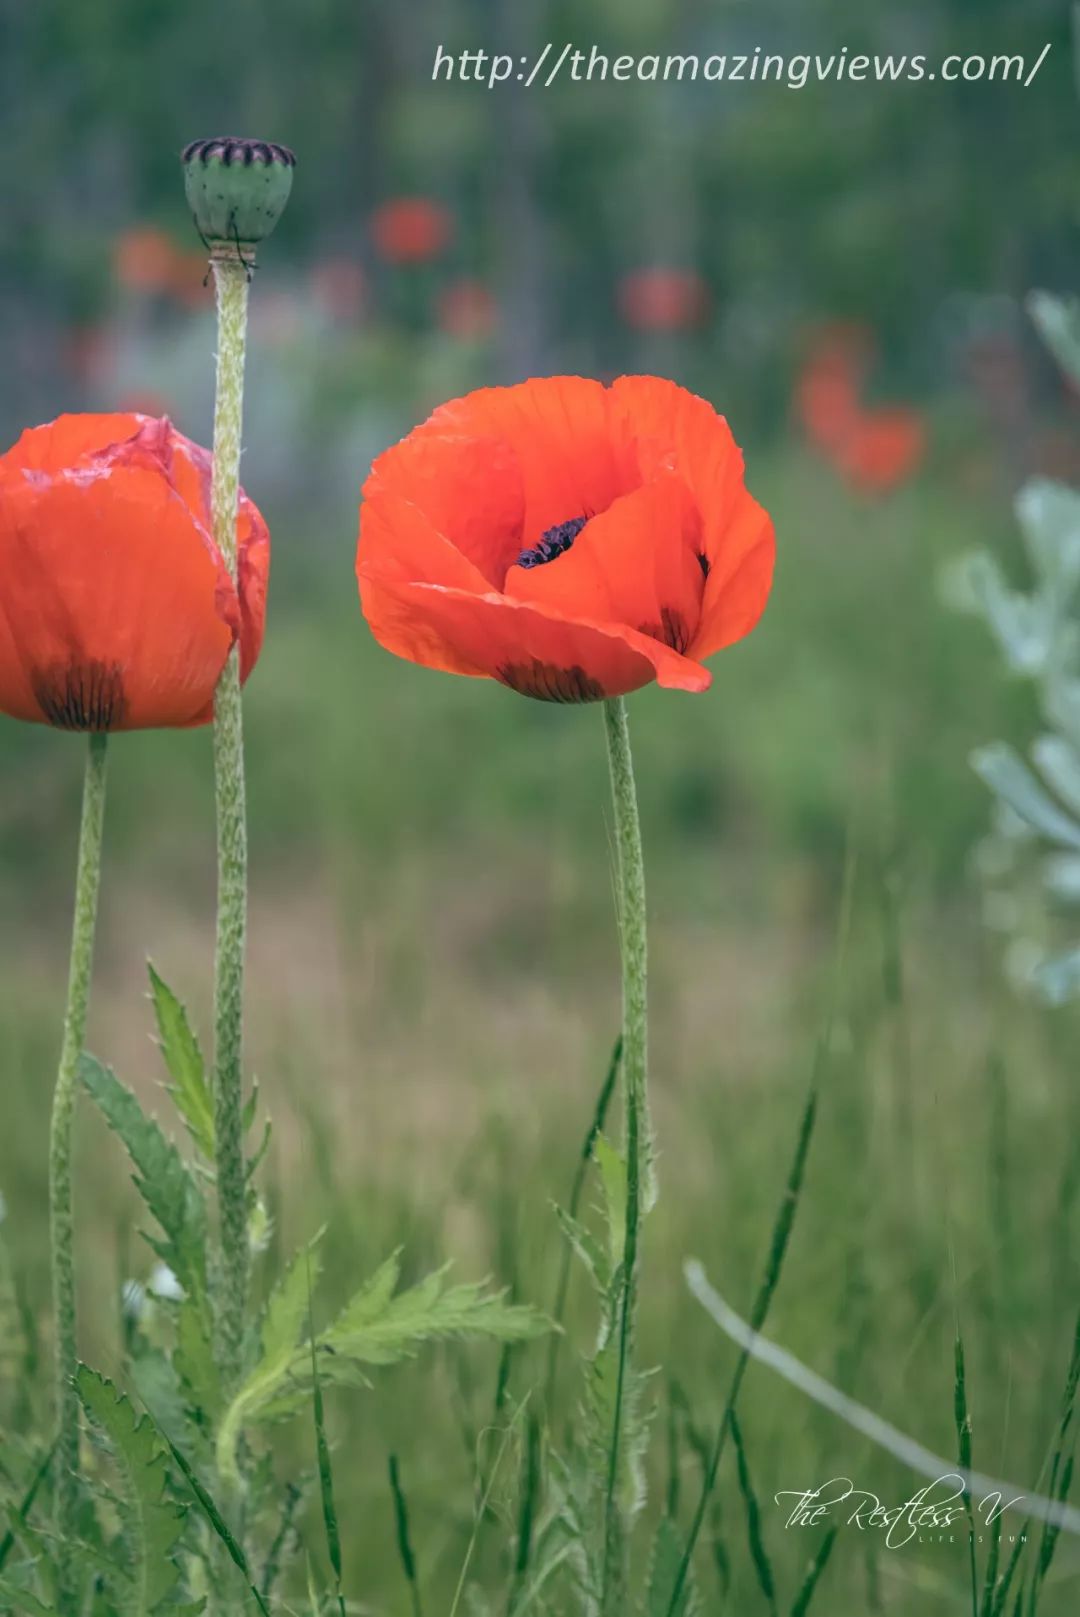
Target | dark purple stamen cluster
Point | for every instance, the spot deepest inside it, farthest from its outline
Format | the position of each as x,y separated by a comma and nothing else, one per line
552,543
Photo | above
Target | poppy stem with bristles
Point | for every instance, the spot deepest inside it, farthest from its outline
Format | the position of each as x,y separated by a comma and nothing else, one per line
231,283
62,1230
630,869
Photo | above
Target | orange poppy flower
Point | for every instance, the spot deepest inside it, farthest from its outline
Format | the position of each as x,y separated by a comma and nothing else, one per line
569,540
410,230
663,299
117,610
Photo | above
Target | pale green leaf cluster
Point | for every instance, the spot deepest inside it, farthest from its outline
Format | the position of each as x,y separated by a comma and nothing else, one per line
379,1326
1030,862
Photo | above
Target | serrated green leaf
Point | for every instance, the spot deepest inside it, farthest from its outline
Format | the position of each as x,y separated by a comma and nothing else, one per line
587,1248
372,1299
375,1328
285,1315
251,1106
190,1087
162,1178
153,1522
664,1560
254,1162
194,1361
612,1166
431,1309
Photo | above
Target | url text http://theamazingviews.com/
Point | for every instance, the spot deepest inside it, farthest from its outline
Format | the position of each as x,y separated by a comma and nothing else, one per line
570,63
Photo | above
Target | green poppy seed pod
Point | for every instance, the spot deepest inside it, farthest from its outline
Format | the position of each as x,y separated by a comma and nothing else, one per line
237,191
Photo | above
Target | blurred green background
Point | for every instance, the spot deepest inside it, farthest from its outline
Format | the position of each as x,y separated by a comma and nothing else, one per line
433,967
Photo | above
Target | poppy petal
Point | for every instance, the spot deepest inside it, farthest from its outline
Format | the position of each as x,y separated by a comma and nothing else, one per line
399,543
469,489
637,564
667,427
523,645
59,445
116,612
558,428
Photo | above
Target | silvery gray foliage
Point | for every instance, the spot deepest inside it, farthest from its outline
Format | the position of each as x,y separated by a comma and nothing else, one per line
1030,859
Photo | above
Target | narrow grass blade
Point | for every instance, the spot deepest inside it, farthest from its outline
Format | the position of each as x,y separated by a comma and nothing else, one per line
698,1442
777,1248
599,1118
1061,1470
962,1419
530,1494
993,1557
404,1542
322,1454
282,1539
482,1506
758,1553
214,1517
813,1575
26,1504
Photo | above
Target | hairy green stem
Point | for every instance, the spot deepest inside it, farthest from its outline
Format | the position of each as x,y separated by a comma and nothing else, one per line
62,1231
231,283
632,937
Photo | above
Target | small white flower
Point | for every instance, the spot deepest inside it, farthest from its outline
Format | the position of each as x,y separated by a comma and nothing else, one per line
163,1283
133,1299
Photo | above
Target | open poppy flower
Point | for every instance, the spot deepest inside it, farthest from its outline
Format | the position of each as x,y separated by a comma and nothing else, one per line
569,540
117,610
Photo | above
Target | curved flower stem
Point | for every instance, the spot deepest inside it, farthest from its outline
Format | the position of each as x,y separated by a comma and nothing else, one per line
62,1232
231,283
632,936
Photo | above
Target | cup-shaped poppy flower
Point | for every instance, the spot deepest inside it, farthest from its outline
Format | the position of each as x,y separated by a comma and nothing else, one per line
570,540
117,609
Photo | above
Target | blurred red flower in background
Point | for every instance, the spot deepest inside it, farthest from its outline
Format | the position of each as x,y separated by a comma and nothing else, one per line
883,449
145,260
468,309
87,351
189,284
874,449
117,610
339,289
663,299
411,230
572,541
